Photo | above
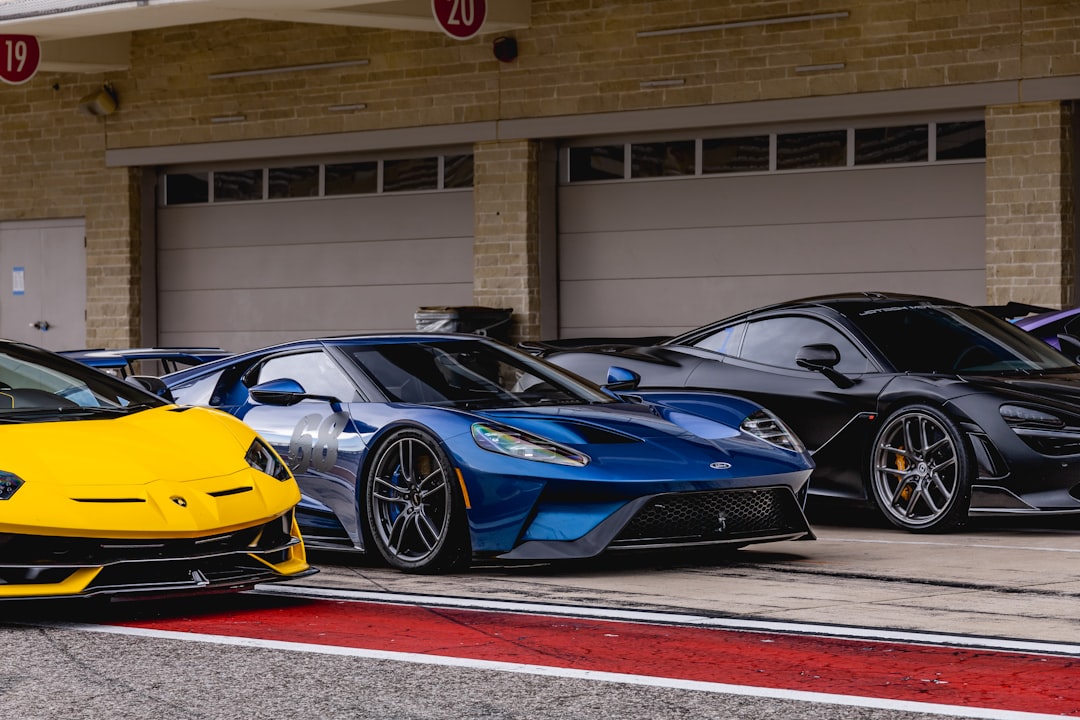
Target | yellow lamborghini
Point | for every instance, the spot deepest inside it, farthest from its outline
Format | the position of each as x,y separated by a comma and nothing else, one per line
106,490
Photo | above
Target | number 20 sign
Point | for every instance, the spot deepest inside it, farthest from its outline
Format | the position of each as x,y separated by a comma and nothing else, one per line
460,19
20,56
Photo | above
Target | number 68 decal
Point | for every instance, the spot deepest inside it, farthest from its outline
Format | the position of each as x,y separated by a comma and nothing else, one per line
314,442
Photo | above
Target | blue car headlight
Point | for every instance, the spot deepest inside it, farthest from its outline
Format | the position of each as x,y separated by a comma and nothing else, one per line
764,425
519,444
263,459
9,484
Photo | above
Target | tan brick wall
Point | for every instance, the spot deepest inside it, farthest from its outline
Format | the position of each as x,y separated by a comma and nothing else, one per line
1030,252
507,246
576,57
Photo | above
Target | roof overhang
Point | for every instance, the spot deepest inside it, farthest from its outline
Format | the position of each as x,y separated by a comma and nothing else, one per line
94,35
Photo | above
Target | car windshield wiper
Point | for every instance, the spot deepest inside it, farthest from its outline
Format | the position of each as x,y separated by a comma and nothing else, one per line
69,412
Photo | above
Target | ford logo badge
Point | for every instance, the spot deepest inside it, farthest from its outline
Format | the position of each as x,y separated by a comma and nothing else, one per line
720,466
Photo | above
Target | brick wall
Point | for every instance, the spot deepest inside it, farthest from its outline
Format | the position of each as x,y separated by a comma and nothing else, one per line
506,247
1030,251
581,56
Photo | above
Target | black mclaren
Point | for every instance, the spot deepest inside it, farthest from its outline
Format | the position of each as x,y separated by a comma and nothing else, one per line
931,410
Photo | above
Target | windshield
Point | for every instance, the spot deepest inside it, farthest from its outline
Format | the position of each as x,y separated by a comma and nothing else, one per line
469,374
39,385
954,339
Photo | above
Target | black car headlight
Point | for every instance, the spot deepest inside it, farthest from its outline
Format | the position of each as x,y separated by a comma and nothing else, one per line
263,459
519,444
9,484
764,425
1018,416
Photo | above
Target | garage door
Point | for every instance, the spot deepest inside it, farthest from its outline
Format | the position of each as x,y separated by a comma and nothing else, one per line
253,257
657,237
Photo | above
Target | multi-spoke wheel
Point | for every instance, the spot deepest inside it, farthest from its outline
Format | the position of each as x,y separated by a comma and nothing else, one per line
414,507
920,471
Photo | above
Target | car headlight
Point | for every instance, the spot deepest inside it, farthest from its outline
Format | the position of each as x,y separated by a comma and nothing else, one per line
1020,416
766,426
263,459
9,484
518,444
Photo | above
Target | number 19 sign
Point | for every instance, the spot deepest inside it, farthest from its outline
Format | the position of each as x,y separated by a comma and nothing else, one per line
460,19
20,56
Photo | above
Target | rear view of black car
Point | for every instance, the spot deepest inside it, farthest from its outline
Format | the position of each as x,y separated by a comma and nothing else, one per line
932,410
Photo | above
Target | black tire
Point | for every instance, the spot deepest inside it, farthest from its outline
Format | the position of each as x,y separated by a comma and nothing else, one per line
414,507
920,471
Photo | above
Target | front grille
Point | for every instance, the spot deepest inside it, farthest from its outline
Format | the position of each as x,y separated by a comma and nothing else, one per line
714,516
45,550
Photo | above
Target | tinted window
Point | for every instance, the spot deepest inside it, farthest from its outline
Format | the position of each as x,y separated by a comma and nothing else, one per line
238,185
291,182
744,154
597,163
187,188
662,159
411,174
316,373
726,341
874,146
961,140
776,341
954,339
356,178
458,171
811,150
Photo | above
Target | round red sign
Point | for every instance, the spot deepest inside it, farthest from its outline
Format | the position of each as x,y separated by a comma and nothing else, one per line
460,19
20,56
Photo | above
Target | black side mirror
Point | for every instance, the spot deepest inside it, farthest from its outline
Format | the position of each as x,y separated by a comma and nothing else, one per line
817,357
620,379
151,384
823,358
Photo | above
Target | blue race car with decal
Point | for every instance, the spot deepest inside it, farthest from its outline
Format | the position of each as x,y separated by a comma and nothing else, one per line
432,450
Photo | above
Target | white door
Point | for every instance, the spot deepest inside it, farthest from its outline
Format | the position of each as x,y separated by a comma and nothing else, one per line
43,283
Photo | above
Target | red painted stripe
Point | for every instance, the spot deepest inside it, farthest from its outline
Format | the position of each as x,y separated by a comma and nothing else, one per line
951,676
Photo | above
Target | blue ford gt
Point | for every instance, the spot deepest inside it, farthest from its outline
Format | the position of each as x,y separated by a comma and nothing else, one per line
432,450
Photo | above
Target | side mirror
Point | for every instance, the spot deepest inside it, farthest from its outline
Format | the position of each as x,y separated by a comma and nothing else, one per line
619,379
284,392
823,359
151,384
817,357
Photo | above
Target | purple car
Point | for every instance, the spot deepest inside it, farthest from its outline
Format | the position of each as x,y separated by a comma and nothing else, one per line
1047,326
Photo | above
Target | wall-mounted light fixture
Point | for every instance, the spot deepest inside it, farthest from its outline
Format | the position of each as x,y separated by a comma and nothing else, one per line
100,102
286,69
661,83
745,23
354,107
819,68
228,118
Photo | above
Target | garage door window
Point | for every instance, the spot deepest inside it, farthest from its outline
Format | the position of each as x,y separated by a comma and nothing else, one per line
662,159
238,185
293,182
875,146
961,140
187,188
797,151
358,178
741,154
411,174
605,162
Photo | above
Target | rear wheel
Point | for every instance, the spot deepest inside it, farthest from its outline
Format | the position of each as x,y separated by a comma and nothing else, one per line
920,471
414,506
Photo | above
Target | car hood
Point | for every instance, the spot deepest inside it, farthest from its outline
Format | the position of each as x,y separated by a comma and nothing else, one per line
619,435
167,443
1058,389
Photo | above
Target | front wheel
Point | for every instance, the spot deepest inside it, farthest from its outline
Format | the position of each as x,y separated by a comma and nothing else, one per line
414,507
920,471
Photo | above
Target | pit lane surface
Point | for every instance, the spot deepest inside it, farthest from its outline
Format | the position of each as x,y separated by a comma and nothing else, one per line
419,647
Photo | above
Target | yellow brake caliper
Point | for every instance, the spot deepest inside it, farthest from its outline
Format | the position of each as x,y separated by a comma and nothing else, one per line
901,465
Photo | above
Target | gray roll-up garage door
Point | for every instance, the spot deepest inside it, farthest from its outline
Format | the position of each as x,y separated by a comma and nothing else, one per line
657,257
244,275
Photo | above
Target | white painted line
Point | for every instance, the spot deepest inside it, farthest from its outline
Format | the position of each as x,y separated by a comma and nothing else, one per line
953,545
642,616
540,670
